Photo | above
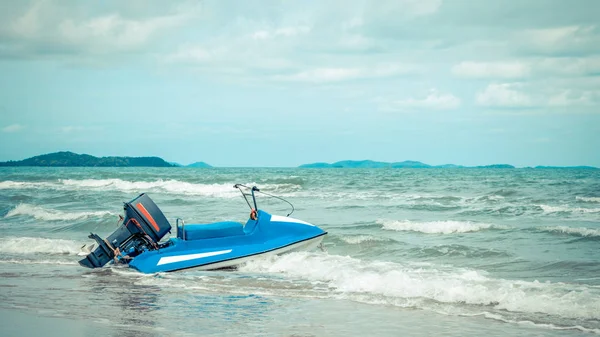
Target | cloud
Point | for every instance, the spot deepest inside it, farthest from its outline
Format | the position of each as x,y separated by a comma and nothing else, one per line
568,66
401,9
564,40
13,128
72,128
573,98
486,70
435,100
504,95
280,32
324,75
543,94
48,28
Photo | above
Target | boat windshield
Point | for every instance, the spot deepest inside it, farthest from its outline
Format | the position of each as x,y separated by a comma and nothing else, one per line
250,197
244,190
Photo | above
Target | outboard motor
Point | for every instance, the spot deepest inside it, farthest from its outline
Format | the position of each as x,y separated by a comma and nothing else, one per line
143,227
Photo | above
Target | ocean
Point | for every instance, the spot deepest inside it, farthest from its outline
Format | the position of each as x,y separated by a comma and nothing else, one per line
412,252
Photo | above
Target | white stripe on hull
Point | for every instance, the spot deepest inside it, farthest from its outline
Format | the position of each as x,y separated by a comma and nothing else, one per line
300,246
279,218
179,258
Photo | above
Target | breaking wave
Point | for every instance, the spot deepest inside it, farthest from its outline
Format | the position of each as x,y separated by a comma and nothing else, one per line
457,250
27,261
436,227
358,239
565,209
581,231
588,199
29,245
224,190
41,213
425,285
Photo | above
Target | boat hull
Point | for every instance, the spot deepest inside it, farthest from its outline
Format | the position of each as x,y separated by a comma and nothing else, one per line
295,247
269,235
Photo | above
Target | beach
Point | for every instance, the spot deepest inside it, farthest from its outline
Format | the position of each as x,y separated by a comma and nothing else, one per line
417,252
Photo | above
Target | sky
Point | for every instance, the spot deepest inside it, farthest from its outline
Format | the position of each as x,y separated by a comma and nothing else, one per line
283,83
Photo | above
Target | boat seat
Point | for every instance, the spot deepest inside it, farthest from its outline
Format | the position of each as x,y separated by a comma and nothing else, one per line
212,230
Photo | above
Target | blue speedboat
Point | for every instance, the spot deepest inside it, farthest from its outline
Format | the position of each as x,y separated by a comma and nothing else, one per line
137,241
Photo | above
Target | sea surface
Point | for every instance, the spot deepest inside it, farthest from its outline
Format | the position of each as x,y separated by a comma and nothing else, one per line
411,252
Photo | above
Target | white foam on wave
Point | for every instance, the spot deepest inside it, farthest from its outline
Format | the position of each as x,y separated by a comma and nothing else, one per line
436,227
531,323
358,239
588,199
9,184
41,213
52,262
30,245
566,209
167,186
409,285
172,186
578,231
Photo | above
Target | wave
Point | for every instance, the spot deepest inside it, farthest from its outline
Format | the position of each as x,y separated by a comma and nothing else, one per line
425,286
165,186
17,185
290,180
588,199
576,231
41,213
171,186
359,239
436,227
29,245
52,262
550,326
504,192
438,198
458,251
565,209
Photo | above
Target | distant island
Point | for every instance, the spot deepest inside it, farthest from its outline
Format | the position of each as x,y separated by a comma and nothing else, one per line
415,164
199,164
569,167
70,159
67,158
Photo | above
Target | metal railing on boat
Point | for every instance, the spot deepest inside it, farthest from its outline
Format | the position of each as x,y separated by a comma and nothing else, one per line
182,228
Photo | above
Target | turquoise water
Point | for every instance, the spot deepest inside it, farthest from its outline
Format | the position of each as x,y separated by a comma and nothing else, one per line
418,252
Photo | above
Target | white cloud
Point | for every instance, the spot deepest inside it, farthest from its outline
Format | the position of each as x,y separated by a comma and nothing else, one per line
572,98
72,128
552,36
47,27
113,31
507,95
435,100
324,75
193,54
398,9
280,32
568,66
502,70
572,39
13,128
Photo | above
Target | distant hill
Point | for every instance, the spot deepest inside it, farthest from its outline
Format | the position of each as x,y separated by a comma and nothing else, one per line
449,166
366,164
199,164
66,158
402,164
570,167
502,166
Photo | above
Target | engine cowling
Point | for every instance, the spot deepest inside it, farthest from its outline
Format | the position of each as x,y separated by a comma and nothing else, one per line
143,226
